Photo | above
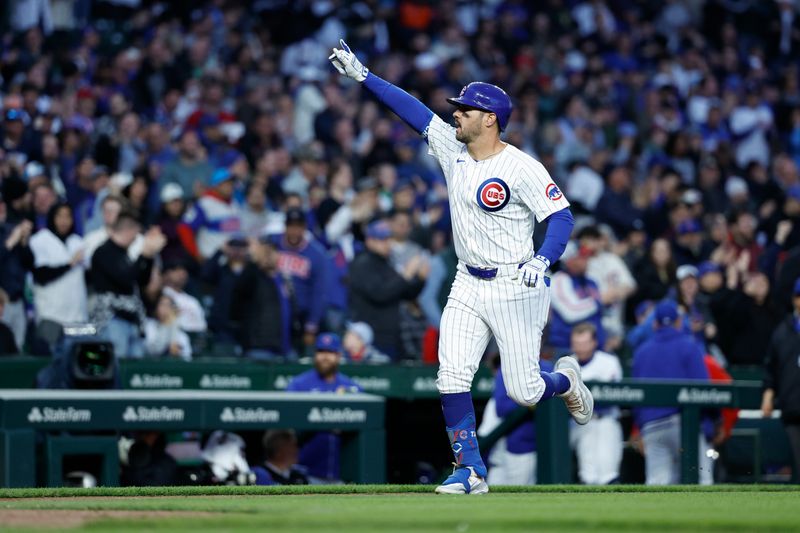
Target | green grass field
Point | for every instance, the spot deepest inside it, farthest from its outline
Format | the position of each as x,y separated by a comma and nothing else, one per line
408,508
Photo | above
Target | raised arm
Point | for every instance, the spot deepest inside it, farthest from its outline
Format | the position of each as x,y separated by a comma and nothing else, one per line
412,111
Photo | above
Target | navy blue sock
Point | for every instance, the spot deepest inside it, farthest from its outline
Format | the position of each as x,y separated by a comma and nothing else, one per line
554,383
459,417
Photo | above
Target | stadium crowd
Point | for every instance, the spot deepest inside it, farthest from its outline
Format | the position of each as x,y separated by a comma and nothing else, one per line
251,177
194,177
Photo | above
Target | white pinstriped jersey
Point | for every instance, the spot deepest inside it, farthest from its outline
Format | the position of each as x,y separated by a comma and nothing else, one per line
492,202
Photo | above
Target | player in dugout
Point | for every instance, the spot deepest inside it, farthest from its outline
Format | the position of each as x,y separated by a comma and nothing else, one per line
497,193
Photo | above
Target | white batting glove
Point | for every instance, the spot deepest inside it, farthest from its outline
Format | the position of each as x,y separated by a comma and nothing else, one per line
346,62
534,271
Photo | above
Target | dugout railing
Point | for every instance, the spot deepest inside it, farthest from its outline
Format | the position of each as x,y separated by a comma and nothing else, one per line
552,419
28,415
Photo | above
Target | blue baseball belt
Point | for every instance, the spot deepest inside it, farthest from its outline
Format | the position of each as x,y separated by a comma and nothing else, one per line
491,273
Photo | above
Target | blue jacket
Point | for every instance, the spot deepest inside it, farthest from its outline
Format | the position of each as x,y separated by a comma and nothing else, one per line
307,266
522,439
669,354
321,453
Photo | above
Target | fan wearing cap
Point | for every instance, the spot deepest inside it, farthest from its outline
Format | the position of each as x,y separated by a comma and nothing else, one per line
358,348
215,216
576,299
302,259
691,246
669,354
320,454
377,289
18,142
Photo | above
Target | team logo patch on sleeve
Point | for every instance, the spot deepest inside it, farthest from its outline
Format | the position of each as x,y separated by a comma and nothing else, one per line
553,192
493,195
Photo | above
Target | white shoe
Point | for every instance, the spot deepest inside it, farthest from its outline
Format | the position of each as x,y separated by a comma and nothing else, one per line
578,398
463,480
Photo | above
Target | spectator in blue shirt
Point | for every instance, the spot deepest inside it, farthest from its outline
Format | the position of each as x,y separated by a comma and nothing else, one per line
320,453
669,354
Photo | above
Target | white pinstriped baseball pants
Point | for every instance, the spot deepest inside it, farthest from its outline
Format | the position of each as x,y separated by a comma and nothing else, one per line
516,315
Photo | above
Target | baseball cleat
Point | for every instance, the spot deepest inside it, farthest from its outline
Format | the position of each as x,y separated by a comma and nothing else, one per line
578,398
463,480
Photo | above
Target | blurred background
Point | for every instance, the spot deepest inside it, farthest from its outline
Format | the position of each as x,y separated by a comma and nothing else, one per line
197,181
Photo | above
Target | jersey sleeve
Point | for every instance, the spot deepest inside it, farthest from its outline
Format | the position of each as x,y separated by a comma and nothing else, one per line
539,192
442,143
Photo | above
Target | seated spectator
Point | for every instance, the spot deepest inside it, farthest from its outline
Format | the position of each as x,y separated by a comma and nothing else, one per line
281,454
191,316
163,336
260,305
576,299
117,306
669,354
376,289
358,348
320,454
8,346
214,217
59,287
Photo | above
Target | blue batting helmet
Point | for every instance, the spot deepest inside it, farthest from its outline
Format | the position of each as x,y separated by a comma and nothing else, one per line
486,97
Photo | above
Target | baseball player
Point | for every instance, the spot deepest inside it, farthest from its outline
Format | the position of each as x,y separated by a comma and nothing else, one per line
501,287
598,444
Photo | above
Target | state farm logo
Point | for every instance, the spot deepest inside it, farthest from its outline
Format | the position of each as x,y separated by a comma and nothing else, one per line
249,415
612,393
232,381
424,384
712,396
373,383
156,381
142,413
328,415
58,414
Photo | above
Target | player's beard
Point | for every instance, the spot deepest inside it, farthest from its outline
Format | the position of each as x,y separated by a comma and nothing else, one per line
466,135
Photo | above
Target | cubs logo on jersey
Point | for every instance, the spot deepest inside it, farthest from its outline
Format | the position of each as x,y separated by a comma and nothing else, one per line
553,192
493,195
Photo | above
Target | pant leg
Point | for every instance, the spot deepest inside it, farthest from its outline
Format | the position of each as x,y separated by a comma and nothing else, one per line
14,316
609,450
793,432
520,469
123,335
705,464
661,451
463,337
516,315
